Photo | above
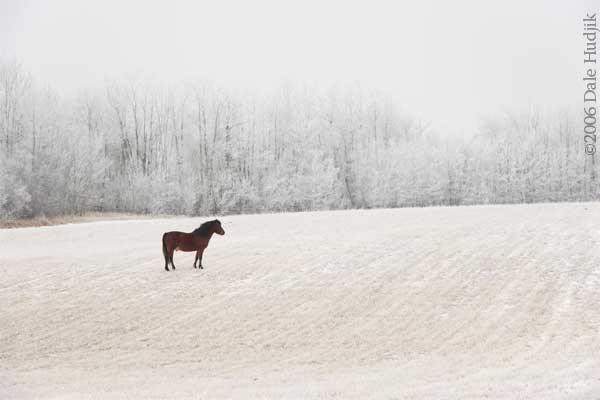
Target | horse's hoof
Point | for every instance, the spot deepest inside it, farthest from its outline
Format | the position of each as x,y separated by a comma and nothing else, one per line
201,267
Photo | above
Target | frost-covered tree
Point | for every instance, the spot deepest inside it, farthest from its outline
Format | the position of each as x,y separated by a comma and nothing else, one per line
199,149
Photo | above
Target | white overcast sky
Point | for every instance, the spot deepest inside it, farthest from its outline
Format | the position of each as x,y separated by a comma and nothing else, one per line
448,62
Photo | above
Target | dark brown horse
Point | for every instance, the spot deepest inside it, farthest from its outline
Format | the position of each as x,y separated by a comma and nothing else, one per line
196,241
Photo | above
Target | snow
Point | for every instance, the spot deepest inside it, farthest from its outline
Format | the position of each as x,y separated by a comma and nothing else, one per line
445,303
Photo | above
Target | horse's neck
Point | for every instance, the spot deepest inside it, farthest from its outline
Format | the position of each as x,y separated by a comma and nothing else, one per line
207,236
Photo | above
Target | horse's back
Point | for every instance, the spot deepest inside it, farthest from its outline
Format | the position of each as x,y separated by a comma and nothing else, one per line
171,239
172,236
174,233
181,241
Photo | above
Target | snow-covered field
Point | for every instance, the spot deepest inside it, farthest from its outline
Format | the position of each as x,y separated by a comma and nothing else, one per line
444,303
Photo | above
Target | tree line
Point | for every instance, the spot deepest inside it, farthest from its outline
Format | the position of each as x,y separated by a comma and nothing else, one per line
198,149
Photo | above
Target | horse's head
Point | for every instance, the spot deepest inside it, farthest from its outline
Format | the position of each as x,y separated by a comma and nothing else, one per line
217,228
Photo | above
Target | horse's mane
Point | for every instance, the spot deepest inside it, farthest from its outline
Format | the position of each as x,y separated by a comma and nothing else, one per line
204,229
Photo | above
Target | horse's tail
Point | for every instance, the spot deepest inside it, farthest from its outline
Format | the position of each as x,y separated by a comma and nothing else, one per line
164,240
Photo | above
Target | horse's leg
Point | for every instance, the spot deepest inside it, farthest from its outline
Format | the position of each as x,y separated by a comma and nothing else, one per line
169,257
199,255
165,250
196,258
166,260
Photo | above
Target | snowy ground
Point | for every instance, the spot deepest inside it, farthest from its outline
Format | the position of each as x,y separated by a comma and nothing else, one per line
444,303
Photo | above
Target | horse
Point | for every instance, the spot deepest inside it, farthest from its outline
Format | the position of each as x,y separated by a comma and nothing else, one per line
195,241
